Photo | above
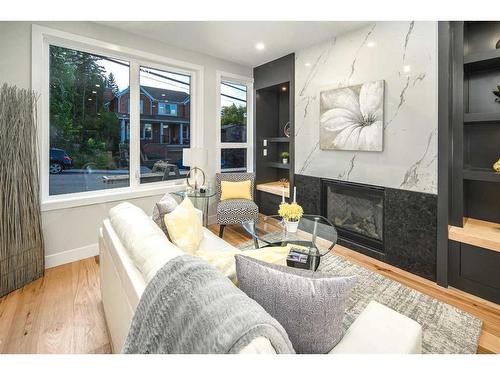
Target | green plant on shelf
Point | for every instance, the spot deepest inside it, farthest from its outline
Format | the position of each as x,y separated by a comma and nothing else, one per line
284,155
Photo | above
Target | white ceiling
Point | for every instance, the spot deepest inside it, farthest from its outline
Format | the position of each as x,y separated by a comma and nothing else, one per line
235,40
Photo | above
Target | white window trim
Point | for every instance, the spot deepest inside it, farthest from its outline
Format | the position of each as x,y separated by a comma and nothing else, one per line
248,145
41,38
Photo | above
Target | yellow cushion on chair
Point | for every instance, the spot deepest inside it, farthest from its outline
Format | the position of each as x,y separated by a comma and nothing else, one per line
236,190
184,227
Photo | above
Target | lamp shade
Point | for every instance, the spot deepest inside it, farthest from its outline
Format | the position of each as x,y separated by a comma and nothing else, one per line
194,157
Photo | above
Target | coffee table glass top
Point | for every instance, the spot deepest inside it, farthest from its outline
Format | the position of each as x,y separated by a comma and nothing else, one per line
324,240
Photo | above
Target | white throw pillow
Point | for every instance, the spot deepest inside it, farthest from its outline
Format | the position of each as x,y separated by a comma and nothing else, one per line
184,227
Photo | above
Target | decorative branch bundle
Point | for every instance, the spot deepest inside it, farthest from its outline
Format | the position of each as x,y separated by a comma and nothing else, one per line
21,238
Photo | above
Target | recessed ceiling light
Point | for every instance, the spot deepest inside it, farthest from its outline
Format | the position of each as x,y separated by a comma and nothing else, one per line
370,44
97,85
307,64
90,99
260,46
94,92
407,68
283,88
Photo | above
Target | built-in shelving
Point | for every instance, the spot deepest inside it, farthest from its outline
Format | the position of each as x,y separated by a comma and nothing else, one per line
278,165
274,85
275,188
481,174
478,233
481,118
482,60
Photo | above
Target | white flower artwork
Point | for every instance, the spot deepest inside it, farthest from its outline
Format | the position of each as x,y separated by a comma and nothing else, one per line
352,118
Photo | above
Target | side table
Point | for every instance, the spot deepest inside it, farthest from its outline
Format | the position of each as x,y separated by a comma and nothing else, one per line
197,196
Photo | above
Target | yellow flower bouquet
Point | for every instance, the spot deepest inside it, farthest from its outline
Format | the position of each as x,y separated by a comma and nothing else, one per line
291,214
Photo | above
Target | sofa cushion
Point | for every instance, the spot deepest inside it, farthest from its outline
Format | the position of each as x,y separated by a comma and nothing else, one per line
310,306
164,206
379,329
235,211
146,244
184,226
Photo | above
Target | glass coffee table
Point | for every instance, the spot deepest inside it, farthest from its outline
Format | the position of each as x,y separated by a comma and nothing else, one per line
315,233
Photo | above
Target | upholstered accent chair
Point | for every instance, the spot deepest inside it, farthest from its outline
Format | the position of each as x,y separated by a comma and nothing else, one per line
235,211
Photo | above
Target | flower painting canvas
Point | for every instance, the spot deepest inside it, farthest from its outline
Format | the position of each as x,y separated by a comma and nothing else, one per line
352,118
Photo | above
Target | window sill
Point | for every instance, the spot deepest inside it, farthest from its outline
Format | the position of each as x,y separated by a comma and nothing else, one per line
106,196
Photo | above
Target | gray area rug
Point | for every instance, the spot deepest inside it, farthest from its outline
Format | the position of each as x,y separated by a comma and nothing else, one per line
446,329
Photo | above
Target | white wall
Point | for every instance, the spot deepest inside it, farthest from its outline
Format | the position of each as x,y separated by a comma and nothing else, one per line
71,233
409,157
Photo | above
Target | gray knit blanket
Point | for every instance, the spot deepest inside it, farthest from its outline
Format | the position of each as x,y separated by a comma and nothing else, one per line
191,307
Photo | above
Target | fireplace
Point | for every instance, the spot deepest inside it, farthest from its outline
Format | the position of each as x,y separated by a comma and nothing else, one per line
357,211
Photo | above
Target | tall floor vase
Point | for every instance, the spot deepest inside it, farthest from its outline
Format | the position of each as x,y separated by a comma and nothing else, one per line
21,239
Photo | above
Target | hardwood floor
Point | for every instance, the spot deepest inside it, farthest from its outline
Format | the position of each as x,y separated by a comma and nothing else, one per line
58,313
62,312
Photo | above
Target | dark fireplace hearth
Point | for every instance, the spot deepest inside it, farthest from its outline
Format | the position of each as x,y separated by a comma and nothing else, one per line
402,233
357,211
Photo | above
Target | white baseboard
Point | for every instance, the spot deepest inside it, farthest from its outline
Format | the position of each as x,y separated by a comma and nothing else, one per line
71,255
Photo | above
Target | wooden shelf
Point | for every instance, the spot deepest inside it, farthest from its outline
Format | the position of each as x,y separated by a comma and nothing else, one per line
481,174
278,140
481,118
274,164
482,60
477,233
274,188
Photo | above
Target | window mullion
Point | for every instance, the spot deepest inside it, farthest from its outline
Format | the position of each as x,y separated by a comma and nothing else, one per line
135,126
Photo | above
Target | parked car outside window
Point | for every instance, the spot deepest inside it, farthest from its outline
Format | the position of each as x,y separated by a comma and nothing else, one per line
59,161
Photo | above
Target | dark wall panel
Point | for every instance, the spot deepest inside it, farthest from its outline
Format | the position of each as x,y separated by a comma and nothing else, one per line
411,231
475,270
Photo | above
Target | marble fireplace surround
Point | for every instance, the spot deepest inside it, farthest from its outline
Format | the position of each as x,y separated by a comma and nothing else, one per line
410,226
404,55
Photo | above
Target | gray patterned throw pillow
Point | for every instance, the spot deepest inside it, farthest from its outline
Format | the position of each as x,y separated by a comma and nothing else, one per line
164,206
309,305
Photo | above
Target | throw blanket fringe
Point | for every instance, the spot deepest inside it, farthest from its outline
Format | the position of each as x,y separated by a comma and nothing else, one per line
190,307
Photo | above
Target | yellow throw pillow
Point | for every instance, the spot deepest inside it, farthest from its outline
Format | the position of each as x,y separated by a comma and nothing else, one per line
235,190
225,262
184,227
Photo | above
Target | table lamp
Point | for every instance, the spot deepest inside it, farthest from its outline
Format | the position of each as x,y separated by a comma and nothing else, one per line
195,158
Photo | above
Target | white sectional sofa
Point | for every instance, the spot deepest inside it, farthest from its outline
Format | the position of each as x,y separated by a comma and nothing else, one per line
132,248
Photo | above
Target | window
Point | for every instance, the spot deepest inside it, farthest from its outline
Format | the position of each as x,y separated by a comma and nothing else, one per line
147,132
233,160
100,132
87,135
167,109
234,118
162,144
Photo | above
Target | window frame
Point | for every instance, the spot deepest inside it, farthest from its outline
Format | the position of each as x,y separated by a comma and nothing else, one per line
42,38
248,145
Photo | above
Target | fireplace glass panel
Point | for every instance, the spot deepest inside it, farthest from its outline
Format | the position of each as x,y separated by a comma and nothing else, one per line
356,209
